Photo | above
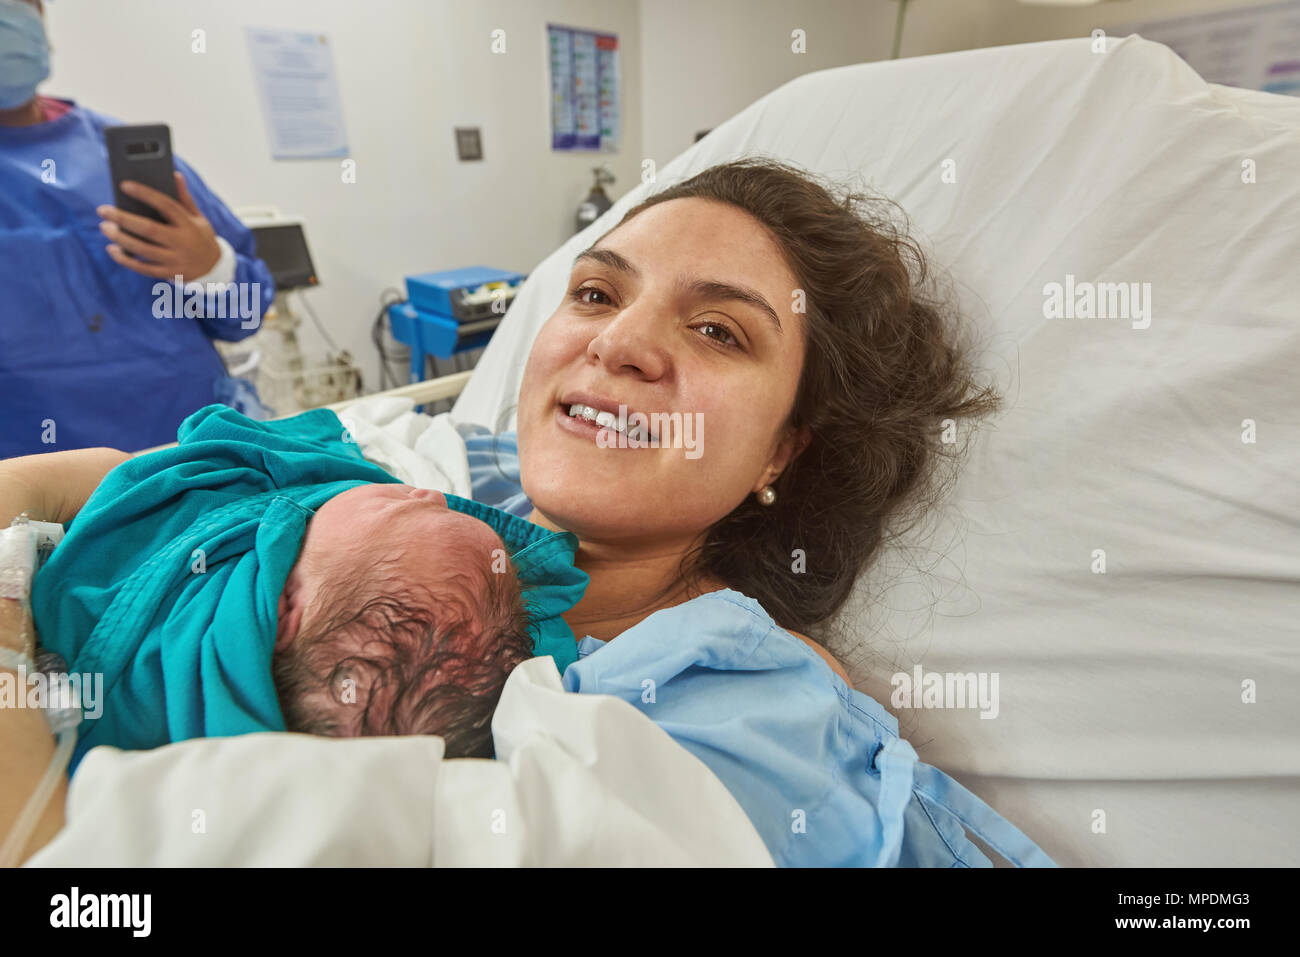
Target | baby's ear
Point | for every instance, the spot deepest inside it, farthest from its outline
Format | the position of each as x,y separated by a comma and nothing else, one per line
286,625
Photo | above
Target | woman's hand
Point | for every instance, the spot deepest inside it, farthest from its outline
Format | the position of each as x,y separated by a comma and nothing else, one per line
185,245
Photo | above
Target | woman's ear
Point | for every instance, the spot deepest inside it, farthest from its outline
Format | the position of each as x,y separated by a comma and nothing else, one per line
795,441
802,436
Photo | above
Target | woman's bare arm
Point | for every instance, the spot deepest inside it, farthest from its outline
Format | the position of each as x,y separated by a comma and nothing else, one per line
26,746
51,487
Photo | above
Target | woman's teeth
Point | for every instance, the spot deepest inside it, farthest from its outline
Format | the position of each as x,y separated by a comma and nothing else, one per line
606,420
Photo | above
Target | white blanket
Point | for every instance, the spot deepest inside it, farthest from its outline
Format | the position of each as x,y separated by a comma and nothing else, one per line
580,780
421,450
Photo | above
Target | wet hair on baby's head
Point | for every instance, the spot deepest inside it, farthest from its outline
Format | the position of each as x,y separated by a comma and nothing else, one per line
395,657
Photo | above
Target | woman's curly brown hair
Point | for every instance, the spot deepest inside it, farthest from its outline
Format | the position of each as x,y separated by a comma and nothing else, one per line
882,372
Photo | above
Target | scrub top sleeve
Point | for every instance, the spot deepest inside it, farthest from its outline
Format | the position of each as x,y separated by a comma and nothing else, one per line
251,274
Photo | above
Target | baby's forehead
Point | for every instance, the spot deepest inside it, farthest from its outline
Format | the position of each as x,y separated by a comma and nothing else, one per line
480,532
452,548
496,535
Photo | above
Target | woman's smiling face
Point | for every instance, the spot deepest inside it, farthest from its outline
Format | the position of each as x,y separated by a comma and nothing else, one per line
686,309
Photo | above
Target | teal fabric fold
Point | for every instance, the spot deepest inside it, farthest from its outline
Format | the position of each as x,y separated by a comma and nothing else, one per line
552,584
167,582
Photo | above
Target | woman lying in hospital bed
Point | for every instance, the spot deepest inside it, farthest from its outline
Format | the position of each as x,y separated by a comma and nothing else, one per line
821,385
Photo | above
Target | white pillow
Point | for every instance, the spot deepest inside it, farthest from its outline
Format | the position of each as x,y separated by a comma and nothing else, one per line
1122,736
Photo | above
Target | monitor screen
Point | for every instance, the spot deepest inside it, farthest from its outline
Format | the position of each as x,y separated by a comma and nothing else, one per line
284,250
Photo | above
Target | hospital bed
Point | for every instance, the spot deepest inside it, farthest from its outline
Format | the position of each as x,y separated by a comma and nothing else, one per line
1121,547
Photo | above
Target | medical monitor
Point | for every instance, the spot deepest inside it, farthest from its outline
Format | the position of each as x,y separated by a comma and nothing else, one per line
283,247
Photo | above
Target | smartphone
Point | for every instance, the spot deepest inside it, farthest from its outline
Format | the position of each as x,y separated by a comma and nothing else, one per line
143,154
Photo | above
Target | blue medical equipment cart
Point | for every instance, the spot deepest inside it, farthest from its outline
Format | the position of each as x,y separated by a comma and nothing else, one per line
452,311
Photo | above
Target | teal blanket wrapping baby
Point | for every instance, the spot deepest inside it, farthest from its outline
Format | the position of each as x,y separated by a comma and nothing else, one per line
167,582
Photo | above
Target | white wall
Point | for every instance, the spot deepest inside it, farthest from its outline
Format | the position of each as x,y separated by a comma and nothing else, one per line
706,60
940,26
409,71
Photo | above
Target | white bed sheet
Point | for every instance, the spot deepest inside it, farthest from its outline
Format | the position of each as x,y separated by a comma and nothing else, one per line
580,780
421,450
1121,693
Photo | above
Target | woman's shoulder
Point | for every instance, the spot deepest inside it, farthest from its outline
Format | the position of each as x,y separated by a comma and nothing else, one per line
756,607
826,656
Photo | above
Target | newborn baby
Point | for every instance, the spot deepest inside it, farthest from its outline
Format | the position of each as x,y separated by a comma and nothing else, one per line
263,576
400,616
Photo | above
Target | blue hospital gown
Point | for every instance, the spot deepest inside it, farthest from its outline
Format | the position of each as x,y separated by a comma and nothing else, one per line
80,345
818,767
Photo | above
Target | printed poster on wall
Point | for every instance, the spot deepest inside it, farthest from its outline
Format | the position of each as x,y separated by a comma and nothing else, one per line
585,83
299,92
1256,48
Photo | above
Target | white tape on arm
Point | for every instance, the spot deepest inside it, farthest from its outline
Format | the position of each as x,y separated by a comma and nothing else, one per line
17,561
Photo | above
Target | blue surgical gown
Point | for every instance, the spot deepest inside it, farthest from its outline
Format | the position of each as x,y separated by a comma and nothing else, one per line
80,346
817,766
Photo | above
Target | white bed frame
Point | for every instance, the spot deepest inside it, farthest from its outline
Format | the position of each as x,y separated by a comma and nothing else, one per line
430,390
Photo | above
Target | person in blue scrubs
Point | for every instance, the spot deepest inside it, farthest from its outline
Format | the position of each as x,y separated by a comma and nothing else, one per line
93,351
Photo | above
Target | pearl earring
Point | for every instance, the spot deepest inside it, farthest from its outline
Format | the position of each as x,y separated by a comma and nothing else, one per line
766,495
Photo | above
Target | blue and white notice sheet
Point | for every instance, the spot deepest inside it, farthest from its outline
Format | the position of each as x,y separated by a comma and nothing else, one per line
585,83
299,91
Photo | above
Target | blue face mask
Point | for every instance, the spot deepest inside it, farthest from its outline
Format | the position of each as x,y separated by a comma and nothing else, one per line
24,53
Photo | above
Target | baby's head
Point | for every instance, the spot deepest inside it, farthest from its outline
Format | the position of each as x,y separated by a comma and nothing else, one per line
400,616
